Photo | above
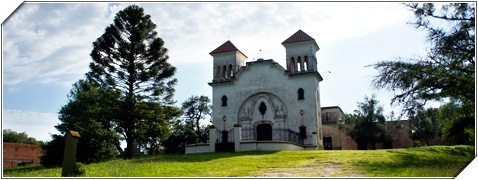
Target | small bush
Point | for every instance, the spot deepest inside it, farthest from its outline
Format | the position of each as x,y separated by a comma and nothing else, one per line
79,169
416,143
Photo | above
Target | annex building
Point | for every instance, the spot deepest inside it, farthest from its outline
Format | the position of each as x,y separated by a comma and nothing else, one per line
260,105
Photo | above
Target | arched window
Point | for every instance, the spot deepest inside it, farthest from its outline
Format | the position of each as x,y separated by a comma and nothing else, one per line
300,93
224,70
218,72
301,64
229,73
224,101
306,61
292,64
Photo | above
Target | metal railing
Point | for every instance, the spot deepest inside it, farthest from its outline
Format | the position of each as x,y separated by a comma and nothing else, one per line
224,136
249,134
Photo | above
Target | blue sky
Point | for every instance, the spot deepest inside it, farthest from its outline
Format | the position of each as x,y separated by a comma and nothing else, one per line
46,48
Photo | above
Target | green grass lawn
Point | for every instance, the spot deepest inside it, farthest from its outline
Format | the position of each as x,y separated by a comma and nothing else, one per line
435,161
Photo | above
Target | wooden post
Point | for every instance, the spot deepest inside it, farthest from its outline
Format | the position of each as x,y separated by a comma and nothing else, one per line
69,156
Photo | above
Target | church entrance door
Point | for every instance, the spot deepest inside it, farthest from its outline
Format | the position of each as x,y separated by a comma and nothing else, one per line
264,132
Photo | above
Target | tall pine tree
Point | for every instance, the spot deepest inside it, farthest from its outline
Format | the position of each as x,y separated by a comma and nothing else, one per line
131,59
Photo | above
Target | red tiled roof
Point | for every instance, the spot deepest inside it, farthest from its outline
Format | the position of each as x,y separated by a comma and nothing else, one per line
299,36
226,47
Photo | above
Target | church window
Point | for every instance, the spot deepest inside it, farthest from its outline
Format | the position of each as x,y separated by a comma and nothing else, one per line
218,72
301,63
224,71
224,101
306,61
292,64
262,108
229,72
300,93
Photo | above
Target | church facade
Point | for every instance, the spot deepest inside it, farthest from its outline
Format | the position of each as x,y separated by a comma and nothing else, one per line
273,107
265,98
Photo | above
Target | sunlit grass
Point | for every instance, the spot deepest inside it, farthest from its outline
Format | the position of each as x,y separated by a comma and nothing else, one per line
436,161
32,171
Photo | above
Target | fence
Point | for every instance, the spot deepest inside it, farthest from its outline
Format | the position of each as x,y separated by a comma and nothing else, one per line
224,136
249,134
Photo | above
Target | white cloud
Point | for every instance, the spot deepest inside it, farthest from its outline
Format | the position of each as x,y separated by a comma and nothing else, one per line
345,20
48,43
35,124
193,30
51,42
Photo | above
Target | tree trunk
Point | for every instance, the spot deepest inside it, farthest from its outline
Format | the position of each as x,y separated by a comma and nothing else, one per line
118,147
131,102
129,151
198,129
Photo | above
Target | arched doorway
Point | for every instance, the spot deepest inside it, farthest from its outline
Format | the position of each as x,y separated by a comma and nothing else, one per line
264,132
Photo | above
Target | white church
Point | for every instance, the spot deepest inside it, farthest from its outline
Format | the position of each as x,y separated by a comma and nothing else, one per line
260,105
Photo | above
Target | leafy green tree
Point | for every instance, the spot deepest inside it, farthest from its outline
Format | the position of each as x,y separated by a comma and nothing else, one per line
458,122
15,137
89,111
195,109
424,124
448,70
154,127
367,124
130,58
446,73
180,136
54,151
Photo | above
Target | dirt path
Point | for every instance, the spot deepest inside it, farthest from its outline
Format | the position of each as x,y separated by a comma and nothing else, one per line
328,170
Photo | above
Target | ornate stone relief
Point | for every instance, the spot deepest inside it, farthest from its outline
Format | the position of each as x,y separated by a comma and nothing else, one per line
262,107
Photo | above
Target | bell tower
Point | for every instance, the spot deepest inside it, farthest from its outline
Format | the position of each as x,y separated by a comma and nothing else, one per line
227,61
300,53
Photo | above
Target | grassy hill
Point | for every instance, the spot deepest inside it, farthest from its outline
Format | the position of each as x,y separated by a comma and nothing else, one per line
435,161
